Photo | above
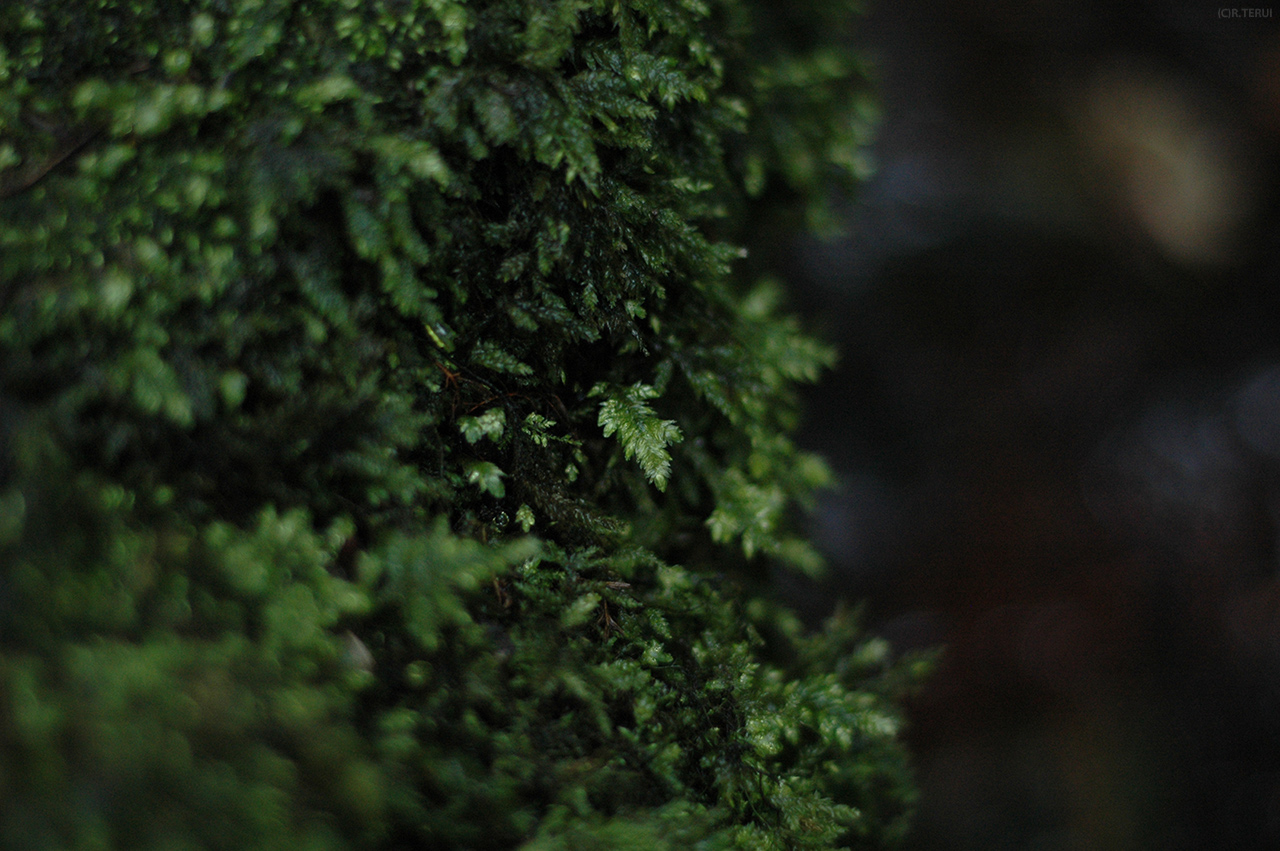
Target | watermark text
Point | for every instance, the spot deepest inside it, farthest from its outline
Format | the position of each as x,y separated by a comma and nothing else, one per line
1244,13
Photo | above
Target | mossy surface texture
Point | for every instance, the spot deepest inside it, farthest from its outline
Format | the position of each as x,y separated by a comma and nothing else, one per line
394,432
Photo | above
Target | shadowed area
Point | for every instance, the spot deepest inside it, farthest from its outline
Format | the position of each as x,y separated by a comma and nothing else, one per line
1057,416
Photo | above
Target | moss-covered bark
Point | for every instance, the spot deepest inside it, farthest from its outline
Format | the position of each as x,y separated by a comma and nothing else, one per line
367,367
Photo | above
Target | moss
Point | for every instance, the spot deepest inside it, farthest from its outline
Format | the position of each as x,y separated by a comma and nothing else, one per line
393,434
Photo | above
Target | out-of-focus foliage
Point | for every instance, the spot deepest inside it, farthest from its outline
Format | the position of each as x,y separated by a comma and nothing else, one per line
366,370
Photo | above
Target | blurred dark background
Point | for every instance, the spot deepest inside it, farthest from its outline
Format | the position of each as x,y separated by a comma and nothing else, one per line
1057,416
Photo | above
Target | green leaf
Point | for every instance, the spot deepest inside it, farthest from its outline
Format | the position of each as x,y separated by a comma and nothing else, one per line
643,434
425,575
580,610
491,355
524,516
490,424
486,476
335,87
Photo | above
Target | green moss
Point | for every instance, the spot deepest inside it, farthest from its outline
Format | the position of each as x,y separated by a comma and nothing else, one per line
392,433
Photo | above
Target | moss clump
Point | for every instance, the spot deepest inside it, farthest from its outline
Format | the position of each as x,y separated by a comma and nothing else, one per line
366,370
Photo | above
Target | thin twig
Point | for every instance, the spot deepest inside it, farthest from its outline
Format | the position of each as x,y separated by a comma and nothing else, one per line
32,176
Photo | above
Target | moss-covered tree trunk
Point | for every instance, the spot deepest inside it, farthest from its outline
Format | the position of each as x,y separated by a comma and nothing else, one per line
391,435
